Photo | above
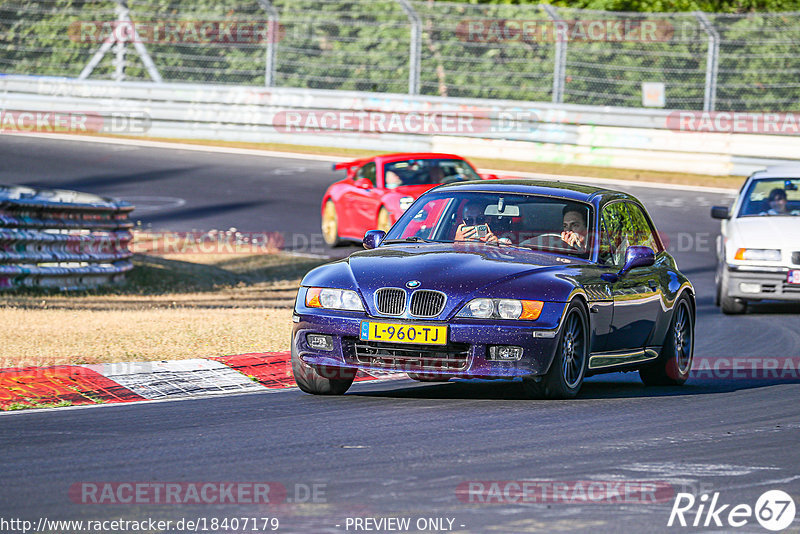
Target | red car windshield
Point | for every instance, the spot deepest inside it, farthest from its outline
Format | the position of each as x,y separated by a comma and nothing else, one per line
427,171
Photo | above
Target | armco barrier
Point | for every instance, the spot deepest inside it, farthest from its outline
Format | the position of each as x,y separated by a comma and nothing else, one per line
62,239
529,131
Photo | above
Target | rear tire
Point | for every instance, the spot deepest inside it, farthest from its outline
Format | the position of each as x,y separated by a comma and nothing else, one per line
566,374
675,361
325,381
330,225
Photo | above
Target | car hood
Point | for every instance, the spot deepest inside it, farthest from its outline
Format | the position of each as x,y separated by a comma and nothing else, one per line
460,271
765,232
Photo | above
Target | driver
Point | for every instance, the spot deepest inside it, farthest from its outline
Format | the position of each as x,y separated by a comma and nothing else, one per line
777,204
392,180
574,229
473,218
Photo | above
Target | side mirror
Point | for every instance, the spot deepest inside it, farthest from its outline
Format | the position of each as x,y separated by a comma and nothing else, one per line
373,238
720,212
363,183
637,256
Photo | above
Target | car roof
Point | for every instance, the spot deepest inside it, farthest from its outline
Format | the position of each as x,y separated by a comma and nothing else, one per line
778,171
572,191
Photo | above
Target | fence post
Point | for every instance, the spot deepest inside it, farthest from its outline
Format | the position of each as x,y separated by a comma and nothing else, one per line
273,34
123,15
560,63
712,61
119,47
414,58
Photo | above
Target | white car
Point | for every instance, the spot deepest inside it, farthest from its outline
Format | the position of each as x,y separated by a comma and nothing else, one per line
759,249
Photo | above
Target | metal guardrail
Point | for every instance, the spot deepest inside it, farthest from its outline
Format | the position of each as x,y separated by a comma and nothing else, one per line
520,50
62,239
531,131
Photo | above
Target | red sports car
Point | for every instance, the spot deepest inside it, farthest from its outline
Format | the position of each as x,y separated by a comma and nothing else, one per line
379,189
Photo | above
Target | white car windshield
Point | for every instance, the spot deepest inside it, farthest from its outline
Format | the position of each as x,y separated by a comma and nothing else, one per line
772,197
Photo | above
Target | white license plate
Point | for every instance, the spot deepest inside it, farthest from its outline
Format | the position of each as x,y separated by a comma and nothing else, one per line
794,276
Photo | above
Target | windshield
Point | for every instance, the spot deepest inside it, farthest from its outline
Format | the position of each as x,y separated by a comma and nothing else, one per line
772,197
427,171
501,219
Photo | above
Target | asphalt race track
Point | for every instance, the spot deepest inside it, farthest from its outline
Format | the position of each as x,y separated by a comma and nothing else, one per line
401,449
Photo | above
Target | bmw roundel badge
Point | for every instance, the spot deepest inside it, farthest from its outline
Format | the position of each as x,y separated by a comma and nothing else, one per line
411,284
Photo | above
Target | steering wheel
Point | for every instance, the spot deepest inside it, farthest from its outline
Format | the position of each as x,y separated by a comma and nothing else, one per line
546,240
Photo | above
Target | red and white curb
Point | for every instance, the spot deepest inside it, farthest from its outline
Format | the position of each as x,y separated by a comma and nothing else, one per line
33,387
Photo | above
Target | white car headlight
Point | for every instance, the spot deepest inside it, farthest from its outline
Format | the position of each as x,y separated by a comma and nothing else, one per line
334,299
485,308
758,254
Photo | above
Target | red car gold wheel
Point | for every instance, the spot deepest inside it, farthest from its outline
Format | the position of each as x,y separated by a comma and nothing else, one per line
330,224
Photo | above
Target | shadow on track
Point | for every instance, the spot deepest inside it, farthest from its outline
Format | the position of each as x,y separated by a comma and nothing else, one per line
593,389
95,184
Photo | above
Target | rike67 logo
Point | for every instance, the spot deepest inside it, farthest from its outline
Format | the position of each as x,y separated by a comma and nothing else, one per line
774,510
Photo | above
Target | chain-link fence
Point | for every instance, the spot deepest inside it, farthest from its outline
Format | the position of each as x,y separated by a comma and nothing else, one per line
522,52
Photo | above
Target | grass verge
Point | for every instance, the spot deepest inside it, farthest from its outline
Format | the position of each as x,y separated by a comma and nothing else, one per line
170,308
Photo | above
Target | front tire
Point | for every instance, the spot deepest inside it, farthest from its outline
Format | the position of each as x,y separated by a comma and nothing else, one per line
325,381
566,374
730,305
675,361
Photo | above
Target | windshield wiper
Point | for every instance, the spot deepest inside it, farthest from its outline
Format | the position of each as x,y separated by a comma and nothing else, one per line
409,239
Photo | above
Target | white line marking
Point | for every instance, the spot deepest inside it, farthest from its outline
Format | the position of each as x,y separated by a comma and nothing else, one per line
694,470
320,157
185,146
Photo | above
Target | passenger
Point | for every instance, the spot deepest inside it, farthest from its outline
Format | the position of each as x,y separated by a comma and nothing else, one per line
473,217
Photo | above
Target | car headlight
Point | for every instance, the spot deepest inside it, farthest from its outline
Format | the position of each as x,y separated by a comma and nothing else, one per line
406,202
335,299
758,254
485,308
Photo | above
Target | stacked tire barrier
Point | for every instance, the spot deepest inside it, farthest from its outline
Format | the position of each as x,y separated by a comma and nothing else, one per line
62,239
